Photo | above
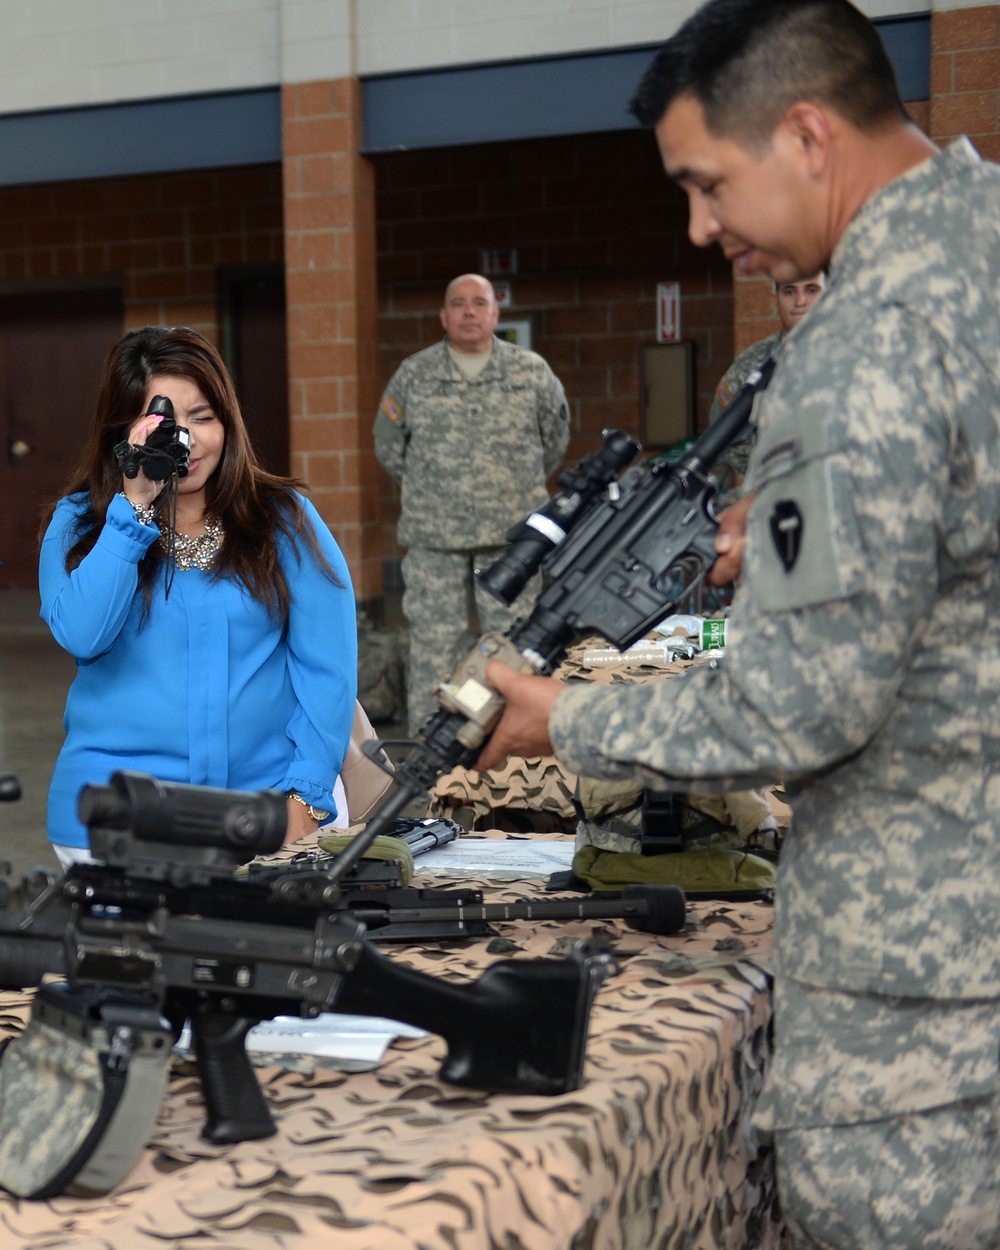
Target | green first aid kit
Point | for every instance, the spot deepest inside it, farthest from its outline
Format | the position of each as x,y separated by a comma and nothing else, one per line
708,872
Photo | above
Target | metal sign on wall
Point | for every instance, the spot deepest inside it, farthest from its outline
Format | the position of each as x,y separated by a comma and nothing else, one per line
668,312
499,260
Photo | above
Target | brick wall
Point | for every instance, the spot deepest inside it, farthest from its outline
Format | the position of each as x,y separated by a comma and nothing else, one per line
330,286
596,226
165,235
965,77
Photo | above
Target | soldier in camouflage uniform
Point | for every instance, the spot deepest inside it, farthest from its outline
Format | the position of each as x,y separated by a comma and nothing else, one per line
792,301
866,661
470,428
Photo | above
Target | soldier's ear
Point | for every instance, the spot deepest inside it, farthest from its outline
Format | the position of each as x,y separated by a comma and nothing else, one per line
807,127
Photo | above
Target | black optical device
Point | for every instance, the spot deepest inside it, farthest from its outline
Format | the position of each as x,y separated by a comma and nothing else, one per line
166,451
138,822
531,540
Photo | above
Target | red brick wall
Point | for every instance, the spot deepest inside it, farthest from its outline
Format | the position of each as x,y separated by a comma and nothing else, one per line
165,234
596,226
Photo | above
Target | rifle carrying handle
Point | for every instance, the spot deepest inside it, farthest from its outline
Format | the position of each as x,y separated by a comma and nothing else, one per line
236,1107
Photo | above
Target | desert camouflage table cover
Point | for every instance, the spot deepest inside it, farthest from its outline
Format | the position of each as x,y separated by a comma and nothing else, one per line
653,1151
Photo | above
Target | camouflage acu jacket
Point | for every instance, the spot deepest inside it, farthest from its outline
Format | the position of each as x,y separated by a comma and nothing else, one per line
472,456
865,670
738,454
739,371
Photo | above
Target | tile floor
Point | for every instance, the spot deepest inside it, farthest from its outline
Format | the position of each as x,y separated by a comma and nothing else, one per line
34,676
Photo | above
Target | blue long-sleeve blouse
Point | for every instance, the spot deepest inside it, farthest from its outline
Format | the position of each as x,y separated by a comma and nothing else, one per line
211,690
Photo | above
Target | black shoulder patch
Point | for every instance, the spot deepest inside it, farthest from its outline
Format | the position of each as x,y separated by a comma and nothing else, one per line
787,527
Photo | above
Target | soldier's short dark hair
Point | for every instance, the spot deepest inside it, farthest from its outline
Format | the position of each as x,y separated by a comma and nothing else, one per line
747,61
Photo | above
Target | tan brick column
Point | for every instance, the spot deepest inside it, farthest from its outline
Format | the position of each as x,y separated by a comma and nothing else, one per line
754,315
965,77
329,200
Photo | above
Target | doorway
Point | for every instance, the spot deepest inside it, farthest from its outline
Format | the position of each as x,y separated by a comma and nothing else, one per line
52,348
255,348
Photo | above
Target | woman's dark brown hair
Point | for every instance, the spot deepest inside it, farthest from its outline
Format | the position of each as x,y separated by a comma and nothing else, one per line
254,506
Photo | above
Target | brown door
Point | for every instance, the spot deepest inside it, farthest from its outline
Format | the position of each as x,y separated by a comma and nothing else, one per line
254,343
52,347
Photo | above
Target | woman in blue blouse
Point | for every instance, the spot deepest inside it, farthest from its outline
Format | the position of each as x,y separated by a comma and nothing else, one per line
211,616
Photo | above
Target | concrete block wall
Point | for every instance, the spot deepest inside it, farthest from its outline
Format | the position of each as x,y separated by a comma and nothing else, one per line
57,53
68,52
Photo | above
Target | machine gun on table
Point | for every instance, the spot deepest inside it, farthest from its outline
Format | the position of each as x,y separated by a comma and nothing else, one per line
617,556
160,931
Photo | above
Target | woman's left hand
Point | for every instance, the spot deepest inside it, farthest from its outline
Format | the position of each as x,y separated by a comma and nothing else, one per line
300,822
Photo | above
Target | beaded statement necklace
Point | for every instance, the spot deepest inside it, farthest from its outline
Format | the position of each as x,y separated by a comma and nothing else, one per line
193,553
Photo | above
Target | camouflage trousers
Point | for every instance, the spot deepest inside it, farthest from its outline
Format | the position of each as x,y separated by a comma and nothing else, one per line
446,612
925,1181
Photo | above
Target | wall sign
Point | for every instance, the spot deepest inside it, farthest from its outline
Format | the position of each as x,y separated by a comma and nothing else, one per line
668,312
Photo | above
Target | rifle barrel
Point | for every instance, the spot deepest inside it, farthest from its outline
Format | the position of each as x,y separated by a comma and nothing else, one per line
650,909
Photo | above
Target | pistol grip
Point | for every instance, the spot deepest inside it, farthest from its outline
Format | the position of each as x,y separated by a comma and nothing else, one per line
236,1107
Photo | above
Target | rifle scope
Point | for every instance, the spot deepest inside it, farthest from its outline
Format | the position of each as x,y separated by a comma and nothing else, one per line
531,540
136,807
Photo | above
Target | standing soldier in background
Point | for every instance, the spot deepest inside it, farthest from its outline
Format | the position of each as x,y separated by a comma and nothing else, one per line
866,661
792,301
470,428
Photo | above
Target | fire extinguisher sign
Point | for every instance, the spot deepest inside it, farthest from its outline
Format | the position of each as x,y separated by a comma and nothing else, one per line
668,312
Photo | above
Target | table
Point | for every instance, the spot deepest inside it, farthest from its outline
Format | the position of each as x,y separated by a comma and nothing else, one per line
654,1150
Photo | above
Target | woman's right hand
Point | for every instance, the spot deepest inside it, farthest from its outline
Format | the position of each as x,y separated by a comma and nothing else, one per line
140,490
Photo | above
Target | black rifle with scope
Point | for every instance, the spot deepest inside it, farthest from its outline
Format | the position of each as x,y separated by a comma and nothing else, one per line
617,556
161,924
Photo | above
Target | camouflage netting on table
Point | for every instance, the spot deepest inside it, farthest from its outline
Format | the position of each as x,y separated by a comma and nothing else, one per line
539,794
655,1148
525,795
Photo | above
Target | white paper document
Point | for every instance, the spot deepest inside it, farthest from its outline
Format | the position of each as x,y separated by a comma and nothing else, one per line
498,857
330,1035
